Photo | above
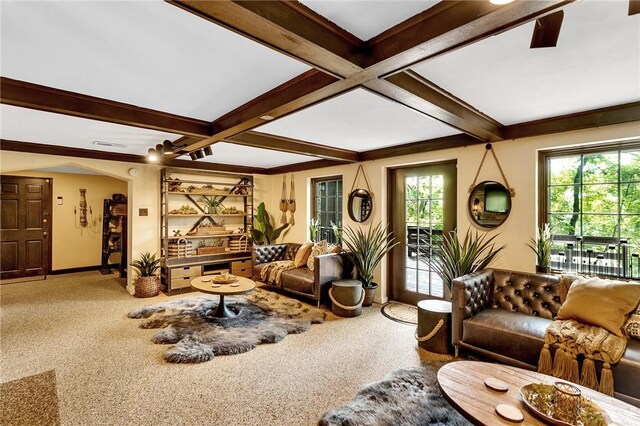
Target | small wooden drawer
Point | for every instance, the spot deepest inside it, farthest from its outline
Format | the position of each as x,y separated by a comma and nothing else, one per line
240,264
187,271
182,282
245,272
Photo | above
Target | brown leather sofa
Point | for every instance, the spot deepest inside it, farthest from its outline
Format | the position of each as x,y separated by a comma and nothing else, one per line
301,281
504,314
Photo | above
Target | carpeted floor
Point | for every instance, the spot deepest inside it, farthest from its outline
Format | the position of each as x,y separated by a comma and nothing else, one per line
109,372
30,401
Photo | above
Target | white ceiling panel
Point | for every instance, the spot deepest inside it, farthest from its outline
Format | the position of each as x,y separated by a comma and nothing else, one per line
227,153
29,125
595,64
150,54
366,19
360,121
68,169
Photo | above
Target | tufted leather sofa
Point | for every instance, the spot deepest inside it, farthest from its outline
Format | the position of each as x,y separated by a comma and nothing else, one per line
301,281
504,314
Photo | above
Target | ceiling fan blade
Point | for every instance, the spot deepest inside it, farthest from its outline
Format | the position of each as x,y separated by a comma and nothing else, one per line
634,7
547,30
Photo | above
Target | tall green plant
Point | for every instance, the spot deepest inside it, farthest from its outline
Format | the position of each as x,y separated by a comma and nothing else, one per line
147,265
337,232
263,232
314,228
366,250
458,258
541,245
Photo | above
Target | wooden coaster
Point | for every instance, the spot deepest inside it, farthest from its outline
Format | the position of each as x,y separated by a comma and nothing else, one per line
235,285
510,413
496,384
215,285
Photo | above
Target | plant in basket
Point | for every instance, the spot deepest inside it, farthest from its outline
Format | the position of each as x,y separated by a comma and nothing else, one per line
148,283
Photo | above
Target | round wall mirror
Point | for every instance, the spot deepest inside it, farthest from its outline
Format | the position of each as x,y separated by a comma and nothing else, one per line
360,205
489,204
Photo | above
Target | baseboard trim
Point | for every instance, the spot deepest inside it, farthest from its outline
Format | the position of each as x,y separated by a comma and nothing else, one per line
81,269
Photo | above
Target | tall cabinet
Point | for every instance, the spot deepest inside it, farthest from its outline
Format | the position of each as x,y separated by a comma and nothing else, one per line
205,225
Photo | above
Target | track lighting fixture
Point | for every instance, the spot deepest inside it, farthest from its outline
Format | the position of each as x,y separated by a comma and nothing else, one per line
168,146
208,151
152,155
160,149
193,156
199,154
547,30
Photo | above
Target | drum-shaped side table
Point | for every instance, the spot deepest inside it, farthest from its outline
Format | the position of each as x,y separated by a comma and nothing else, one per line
434,330
346,298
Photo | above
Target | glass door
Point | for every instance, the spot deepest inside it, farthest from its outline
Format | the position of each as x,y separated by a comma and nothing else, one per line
423,208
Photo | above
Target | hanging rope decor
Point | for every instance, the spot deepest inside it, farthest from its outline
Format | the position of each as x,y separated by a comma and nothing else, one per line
283,200
292,202
361,169
488,147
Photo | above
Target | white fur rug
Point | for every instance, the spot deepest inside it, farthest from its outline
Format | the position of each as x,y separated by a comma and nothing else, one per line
262,317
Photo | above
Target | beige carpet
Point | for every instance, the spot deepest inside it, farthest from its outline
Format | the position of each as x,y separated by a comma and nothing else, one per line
30,401
108,372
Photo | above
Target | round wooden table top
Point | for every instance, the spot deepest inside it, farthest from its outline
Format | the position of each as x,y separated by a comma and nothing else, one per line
205,285
462,384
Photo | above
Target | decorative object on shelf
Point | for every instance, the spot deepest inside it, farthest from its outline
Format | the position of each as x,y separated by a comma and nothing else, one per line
84,222
148,283
185,209
360,204
177,233
212,203
114,233
216,247
263,232
562,404
225,278
291,203
230,211
365,251
283,201
175,185
490,202
180,248
239,244
541,246
314,227
213,228
457,258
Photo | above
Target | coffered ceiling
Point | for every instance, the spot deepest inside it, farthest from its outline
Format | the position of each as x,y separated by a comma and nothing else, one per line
323,82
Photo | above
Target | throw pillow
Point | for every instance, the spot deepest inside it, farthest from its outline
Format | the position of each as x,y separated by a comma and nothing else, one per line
334,249
319,248
633,325
302,254
599,302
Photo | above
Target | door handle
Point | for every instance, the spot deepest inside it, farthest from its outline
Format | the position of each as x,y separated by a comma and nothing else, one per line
44,234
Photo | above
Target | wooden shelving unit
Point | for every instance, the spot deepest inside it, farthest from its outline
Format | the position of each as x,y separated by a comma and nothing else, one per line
114,236
181,262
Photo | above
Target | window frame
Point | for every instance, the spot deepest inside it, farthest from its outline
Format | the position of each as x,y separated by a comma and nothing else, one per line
314,182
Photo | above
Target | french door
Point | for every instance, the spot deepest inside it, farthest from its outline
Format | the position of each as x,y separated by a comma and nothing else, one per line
422,209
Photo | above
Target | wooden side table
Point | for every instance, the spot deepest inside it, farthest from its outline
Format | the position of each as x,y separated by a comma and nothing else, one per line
204,284
434,331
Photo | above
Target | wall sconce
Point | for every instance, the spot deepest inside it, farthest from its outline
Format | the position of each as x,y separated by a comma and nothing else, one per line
84,223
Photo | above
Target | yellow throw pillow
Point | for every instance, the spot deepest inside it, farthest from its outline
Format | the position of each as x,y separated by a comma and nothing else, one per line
599,302
334,249
303,254
318,249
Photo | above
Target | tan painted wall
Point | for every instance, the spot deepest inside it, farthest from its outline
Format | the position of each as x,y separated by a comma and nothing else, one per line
73,247
518,158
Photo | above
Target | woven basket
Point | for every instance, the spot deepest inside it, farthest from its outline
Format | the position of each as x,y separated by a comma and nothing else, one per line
147,286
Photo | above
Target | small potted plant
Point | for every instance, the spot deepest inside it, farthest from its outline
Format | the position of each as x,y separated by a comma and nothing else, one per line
314,228
541,246
365,250
148,283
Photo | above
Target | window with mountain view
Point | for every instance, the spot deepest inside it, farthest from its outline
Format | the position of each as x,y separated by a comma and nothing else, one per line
593,206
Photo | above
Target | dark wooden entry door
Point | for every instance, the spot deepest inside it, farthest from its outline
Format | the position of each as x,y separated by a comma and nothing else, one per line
25,205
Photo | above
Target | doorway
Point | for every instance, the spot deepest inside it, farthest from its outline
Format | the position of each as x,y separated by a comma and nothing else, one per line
25,228
422,208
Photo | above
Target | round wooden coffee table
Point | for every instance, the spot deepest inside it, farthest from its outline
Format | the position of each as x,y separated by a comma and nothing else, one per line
462,384
204,284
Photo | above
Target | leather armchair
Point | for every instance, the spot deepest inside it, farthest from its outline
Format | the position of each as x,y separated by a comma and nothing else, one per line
301,281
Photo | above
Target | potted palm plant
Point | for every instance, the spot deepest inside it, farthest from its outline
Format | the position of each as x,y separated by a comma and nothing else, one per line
365,250
148,283
457,258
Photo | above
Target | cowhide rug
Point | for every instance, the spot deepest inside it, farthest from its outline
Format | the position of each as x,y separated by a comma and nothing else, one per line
262,317
405,397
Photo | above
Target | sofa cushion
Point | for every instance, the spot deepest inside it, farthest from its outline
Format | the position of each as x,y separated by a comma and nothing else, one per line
512,334
626,373
318,249
265,254
302,254
530,294
300,280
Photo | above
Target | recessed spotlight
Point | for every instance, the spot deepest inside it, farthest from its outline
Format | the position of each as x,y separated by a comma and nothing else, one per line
152,155
499,2
267,117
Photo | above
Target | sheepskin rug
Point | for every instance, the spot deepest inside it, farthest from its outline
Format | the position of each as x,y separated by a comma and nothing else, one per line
405,397
262,317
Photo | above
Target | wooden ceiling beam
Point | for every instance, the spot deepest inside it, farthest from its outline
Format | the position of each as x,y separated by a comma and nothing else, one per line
34,96
298,167
414,91
295,146
37,148
617,114
454,141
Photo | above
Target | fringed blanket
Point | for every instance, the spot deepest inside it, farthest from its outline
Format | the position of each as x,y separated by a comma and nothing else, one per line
586,341
273,271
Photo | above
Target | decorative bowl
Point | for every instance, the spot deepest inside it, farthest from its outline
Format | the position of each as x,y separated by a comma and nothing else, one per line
224,279
588,408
